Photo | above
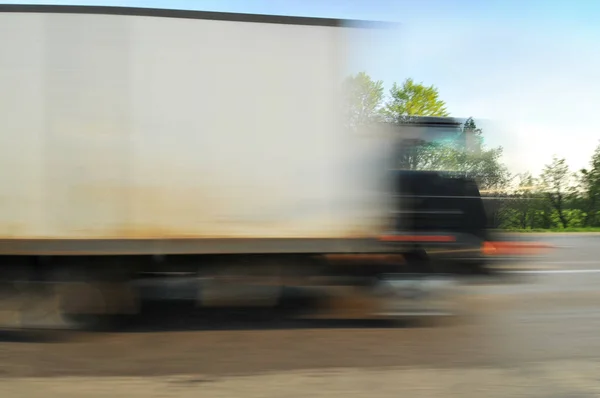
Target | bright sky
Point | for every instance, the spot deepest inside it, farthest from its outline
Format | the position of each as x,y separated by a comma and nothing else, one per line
530,68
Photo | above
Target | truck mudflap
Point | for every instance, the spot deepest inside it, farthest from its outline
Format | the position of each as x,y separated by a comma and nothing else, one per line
406,295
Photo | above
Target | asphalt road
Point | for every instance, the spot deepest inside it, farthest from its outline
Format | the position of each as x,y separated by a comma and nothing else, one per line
572,251
547,315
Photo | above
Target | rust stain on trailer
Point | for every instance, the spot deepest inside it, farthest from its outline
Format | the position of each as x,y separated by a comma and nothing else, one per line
177,212
107,211
149,212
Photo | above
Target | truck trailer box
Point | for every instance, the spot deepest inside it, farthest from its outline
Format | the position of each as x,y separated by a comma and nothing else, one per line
144,125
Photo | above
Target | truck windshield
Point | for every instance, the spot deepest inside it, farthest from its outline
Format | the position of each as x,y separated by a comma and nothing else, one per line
428,146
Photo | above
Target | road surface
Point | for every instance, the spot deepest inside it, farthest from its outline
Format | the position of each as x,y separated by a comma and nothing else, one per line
538,337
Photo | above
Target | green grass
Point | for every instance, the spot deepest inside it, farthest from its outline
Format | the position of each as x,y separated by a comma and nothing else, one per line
554,230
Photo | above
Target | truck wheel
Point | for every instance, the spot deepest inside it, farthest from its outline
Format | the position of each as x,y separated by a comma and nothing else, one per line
89,301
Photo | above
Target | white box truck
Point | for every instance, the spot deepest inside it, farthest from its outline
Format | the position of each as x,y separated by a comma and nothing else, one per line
143,142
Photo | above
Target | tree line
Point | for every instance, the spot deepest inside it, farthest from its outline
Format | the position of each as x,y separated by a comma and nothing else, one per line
558,198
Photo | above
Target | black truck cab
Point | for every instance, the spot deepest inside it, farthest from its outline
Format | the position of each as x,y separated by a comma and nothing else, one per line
439,222
433,201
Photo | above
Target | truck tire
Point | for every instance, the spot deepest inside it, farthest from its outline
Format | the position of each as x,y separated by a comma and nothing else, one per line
95,301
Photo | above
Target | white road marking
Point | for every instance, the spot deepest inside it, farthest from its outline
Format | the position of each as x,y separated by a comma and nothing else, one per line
553,271
549,267
571,262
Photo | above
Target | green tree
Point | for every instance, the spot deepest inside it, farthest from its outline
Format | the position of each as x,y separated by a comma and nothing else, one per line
523,206
590,184
556,183
413,99
363,99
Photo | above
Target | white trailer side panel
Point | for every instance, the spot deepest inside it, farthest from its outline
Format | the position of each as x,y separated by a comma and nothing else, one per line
116,126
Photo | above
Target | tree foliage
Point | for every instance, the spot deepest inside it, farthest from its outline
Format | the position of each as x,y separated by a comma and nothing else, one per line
590,187
363,98
559,198
413,99
526,204
556,183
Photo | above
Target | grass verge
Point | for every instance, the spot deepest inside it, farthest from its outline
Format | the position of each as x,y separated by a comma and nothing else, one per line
554,230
